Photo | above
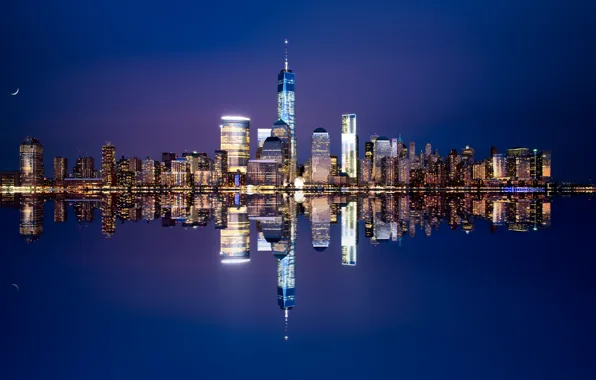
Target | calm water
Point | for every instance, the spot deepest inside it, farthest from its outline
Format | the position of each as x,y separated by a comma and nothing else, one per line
271,287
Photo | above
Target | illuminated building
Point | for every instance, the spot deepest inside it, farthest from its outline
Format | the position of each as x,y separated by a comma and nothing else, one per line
273,150
31,218
403,171
124,176
546,164
334,166
150,172
394,147
281,130
365,170
382,149
235,139
262,134
84,167
518,163
220,167
428,149
235,239
349,233
320,157
179,173
286,98
453,167
467,155
412,151
263,173
479,171
499,166
540,167
10,178
320,220
367,162
108,164
135,166
203,178
193,159
31,158
349,146
60,169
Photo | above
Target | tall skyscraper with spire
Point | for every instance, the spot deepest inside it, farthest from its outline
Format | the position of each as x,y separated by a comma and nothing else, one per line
285,107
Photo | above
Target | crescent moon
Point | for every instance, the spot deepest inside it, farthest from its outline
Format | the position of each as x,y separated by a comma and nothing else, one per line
14,93
16,286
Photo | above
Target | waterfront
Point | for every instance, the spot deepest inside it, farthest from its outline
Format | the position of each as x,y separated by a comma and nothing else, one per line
417,287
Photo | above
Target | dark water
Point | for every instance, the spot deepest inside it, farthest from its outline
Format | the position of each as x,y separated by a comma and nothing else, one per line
455,287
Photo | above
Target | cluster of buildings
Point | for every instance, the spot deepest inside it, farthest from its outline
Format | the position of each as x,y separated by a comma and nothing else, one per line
386,218
385,163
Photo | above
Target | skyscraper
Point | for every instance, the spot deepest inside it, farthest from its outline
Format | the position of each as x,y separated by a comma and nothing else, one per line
60,169
108,164
84,167
31,157
349,147
382,150
220,167
285,107
149,174
320,157
467,155
412,151
235,139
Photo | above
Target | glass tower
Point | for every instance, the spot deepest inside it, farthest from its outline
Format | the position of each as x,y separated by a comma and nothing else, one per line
349,147
285,108
235,139
320,157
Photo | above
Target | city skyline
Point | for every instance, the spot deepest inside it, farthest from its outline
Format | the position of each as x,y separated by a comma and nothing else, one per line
445,82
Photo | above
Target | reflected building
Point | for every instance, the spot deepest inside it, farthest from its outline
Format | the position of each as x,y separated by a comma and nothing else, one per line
31,218
349,233
108,215
320,219
60,210
235,239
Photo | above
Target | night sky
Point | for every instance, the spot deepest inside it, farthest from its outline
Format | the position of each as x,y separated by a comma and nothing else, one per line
153,77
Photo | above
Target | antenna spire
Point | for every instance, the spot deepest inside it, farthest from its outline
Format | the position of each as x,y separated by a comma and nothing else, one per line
286,52
286,325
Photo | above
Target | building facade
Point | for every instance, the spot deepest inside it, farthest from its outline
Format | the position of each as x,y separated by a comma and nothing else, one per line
349,146
108,164
60,170
31,162
235,139
320,157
